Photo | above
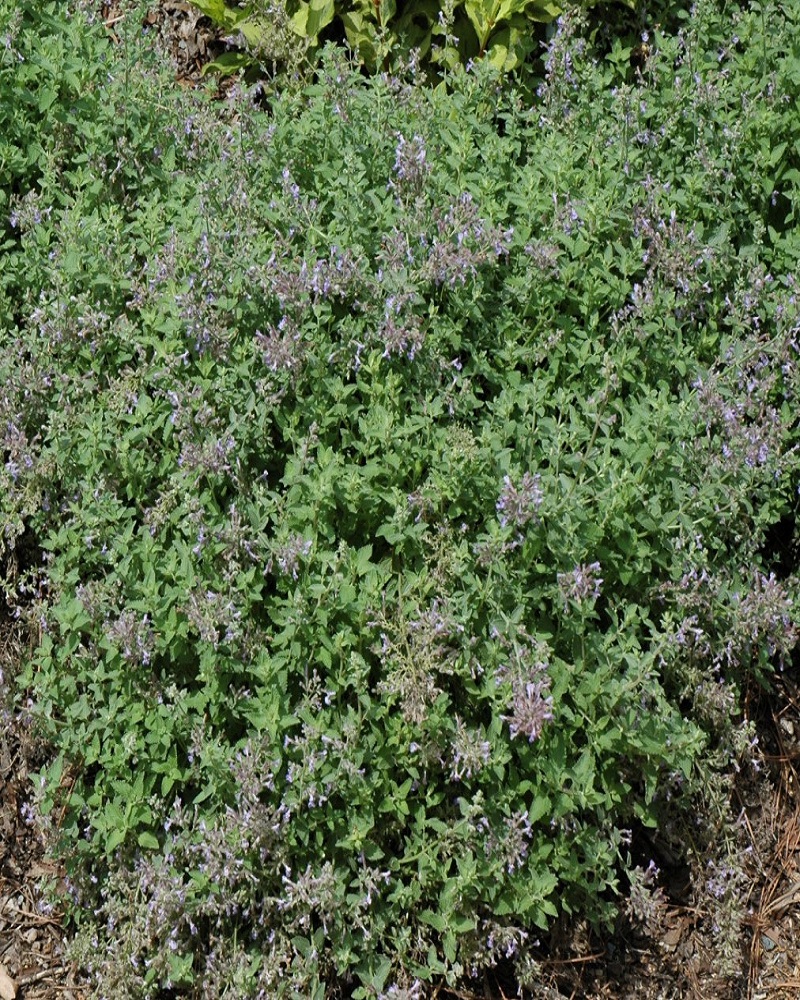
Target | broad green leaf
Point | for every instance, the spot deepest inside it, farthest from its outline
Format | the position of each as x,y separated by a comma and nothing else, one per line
217,10
228,63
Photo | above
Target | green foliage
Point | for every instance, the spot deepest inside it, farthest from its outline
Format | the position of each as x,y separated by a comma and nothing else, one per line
49,73
380,33
51,68
402,463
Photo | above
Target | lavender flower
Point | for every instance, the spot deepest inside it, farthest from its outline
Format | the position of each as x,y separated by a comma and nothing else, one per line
517,505
646,904
207,611
336,277
401,329
290,553
411,167
530,708
583,583
544,257
512,847
413,991
413,651
281,346
134,635
526,669
469,752
463,243
311,894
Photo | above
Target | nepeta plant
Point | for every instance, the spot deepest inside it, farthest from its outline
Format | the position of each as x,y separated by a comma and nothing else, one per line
401,465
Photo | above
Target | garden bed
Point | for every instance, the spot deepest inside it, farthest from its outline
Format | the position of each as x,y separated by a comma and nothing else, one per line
407,581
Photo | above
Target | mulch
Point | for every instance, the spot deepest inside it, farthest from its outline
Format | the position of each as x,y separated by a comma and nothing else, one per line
192,38
32,936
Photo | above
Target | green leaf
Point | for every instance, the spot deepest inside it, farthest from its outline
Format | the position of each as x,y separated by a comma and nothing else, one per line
310,18
148,840
381,974
47,97
435,920
228,63
217,10
114,838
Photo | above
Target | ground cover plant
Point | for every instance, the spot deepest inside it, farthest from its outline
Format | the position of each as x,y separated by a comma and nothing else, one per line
392,479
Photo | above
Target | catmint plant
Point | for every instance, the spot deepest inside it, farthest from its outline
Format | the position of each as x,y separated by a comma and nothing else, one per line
391,483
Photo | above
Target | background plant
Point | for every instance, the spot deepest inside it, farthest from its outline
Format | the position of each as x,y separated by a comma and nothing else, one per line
384,33
393,473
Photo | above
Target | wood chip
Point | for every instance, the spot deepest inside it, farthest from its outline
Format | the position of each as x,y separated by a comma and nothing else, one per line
784,901
8,988
672,937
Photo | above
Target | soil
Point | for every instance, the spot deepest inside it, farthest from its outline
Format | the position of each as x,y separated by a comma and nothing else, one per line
677,961
32,936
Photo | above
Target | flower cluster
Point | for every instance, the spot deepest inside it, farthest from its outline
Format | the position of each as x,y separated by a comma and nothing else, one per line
560,83
581,584
463,243
290,554
281,346
518,505
469,752
730,624
401,329
646,905
414,651
723,896
209,612
526,669
133,634
18,449
531,707
411,167
740,404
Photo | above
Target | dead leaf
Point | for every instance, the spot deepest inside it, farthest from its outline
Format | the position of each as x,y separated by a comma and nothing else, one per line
672,937
42,869
8,988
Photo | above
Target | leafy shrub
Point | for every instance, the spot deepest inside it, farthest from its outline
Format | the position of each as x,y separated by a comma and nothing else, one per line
402,463
441,34
50,69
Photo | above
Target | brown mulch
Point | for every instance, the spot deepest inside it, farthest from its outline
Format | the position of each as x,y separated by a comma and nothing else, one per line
774,947
678,964
32,966
32,937
191,38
